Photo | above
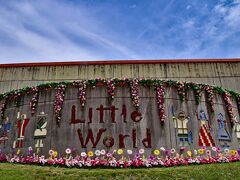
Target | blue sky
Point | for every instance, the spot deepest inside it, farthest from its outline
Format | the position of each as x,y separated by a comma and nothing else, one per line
58,30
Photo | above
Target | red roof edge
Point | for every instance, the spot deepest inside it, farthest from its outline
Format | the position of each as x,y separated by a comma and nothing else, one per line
161,61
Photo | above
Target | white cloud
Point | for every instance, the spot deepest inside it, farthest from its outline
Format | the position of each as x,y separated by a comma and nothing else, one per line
37,29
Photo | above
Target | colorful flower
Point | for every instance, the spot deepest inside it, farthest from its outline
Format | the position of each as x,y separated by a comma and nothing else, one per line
162,149
232,152
189,153
83,154
214,149
156,152
68,151
208,152
172,151
129,151
103,152
90,153
120,151
18,151
55,153
51,152
200,151
226,150
97,152
141,151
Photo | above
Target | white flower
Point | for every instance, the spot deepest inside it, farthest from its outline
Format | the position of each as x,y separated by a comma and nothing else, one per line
103,152
226,150
173,151
97,152
214,149
129,151
162,149
195,152
30,148
68,151
51,152
83,154
141,151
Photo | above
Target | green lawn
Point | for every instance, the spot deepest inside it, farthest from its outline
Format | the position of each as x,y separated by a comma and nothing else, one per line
212,171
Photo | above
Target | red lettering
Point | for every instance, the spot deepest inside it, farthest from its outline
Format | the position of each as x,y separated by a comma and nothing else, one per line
136,116
124,113
121,140
147,141
90,137
73,117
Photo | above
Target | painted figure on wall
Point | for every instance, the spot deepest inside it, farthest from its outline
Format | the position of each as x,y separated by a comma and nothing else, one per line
223,134
4,130
40,132
237,129
204,137
22,122
180,124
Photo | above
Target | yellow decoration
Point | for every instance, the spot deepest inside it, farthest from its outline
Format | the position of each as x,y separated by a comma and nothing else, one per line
156,152
189,153
90,154
120,151
200,151
232,152
18,151
55,154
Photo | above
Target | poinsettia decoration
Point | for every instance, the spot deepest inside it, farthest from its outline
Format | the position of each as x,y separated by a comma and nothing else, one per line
197,90
34,100
181,90
82,87
160,102
210,97
134,92
238,103
3,106
111,88
59,97
17,97
228,104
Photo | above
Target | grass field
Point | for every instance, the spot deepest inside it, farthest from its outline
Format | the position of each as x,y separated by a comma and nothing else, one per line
210,171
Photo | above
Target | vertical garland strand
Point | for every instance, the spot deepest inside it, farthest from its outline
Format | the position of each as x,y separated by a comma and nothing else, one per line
3,106
82,86
111,88
209,97
160,102
134,93
34,100
59,98
228,104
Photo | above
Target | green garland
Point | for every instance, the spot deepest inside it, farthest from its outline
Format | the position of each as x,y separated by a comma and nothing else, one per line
182,88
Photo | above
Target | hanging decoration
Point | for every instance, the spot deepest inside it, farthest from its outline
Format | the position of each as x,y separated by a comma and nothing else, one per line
197,90
34,100
82,87
134,92
17,97
59,97
111,88
3,106
228,104
160,102
182,89
209,97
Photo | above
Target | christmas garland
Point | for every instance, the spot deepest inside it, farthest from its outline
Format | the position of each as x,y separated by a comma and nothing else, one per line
59,97
160,102
182,88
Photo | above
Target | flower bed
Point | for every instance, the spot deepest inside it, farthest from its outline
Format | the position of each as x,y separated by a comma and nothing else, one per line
117,159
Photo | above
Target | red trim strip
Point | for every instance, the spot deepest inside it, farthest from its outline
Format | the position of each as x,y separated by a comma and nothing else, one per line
163,61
